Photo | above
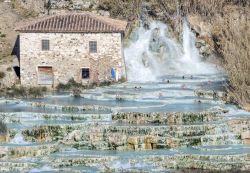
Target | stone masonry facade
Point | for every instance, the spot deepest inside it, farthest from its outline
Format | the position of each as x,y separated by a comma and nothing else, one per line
68,54
82,46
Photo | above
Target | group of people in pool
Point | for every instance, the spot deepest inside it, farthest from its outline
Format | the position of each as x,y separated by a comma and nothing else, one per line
138,87
168,81
183,86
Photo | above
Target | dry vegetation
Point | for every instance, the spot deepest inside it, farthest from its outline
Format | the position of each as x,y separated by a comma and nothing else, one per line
234,45
126,9
24,12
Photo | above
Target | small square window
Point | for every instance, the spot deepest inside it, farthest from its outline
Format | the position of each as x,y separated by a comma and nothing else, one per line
45,44
85,73
92,46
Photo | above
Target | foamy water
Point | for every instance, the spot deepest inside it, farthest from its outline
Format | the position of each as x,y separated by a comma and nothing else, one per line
154,53
18,139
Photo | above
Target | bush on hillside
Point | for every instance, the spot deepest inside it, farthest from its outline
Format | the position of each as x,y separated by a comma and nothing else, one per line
2,75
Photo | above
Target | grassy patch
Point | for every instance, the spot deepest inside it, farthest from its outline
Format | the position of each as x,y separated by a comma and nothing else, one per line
71,84
15,91
76,87
24,92
105,83
23,11
36,91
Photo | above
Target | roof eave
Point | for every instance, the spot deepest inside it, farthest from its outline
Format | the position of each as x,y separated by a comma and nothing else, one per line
67,32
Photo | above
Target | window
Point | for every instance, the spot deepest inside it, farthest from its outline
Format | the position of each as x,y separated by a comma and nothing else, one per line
85,73
45,44
92,46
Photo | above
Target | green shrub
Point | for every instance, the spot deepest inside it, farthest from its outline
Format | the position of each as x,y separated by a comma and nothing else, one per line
44,89
35,92
123,79
62,86
73,83
69,85
92,85
2,75
105,83
20,91
16,91
3,128
3,35
76,92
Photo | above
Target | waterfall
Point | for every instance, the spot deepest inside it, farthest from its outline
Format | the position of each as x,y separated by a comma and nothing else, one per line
153,53
18,139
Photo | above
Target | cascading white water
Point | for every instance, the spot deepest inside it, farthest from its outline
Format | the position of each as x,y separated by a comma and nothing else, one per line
153,53
18,139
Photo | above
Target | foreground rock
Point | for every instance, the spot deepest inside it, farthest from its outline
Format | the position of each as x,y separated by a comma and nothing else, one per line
152,131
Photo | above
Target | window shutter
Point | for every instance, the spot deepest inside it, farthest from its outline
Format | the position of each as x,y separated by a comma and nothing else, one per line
93,47
45,45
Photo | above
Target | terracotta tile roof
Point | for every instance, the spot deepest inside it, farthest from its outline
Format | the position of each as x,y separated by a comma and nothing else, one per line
77,22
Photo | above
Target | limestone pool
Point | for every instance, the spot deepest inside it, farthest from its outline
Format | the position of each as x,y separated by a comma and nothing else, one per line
136,127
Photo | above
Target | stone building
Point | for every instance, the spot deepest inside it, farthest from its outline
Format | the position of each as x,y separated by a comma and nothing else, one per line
83,46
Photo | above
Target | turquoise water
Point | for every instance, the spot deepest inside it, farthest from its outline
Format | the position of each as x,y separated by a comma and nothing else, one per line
176,96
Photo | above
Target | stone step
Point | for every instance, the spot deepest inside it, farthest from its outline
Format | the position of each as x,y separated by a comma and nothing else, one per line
15,166
166,118
21,117
123,137
121,118
108,128
39,107
157,160
13,151
185,162
153,162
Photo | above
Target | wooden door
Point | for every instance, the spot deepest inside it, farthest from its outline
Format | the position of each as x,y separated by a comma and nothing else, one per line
45,76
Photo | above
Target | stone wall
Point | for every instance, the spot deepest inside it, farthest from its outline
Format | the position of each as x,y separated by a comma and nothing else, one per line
69,52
